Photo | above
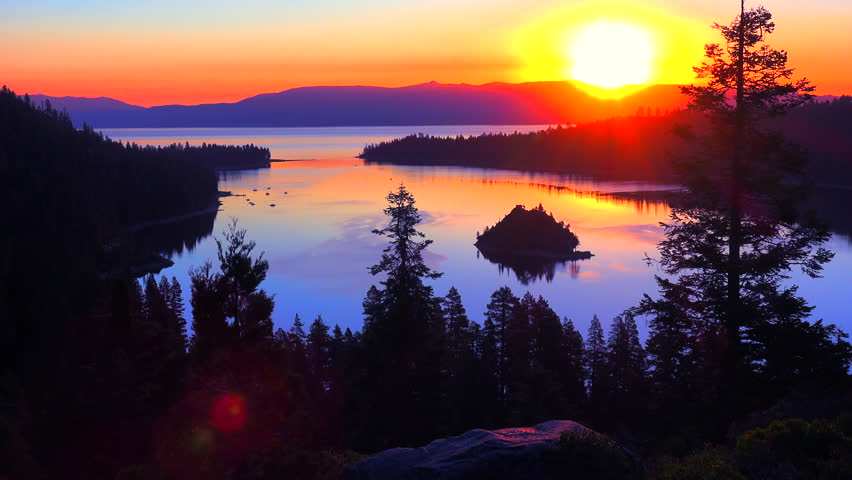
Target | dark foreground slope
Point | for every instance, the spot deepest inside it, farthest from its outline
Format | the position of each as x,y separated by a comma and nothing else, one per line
71,198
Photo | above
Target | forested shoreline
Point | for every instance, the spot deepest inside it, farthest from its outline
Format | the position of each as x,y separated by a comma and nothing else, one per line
636,148
70,244
104,376
237,398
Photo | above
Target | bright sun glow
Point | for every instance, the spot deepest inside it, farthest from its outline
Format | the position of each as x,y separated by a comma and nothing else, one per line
612,55
611,47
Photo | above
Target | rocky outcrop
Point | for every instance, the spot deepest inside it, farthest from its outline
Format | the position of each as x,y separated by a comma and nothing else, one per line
507,453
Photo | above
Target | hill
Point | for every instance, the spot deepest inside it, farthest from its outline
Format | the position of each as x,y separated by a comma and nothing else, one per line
424,104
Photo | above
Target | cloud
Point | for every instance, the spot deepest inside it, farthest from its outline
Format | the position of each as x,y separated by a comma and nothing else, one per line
590,275
648,233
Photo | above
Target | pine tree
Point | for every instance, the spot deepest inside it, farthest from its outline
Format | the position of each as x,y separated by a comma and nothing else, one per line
458,325
737,230
154,305
232,293
403,330
683,360
210,329
518,362
255,329
373,308
174,300
573,371
489,374
547,362
596,364
319,354
626,367
241,275
157,351
402,259
498,315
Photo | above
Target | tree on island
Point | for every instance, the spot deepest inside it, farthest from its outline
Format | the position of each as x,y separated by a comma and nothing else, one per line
531,232
737,231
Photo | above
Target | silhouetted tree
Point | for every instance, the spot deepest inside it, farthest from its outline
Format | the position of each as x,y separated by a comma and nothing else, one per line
498,315
737,231
626,368
210,330
462,362
596,366
173,295
319,355
548,360
573,370
405,329
241,274
518,362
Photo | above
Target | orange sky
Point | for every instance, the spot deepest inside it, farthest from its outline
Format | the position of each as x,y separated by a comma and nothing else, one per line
159,52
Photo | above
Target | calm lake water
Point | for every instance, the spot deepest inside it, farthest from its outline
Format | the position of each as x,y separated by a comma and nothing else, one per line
317,236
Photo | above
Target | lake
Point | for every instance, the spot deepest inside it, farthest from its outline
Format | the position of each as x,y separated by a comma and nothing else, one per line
317,236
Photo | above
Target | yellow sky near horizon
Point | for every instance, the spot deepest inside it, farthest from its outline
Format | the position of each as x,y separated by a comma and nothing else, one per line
192,52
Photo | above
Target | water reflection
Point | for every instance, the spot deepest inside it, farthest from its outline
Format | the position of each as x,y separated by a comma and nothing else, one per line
529,269
318,240
175,237
148,248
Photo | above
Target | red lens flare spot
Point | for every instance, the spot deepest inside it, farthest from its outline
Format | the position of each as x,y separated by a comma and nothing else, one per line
229,413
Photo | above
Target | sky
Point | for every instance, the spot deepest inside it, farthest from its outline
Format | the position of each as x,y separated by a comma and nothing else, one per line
191,51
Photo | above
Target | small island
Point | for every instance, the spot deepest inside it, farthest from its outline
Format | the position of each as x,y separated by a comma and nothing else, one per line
531,233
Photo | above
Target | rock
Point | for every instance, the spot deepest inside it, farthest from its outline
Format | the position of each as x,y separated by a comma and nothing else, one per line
507,453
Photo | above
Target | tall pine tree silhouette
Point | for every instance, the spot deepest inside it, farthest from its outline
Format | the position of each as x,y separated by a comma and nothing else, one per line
737,231
403,331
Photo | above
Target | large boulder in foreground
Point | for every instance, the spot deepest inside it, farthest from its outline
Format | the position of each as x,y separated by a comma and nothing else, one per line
514,453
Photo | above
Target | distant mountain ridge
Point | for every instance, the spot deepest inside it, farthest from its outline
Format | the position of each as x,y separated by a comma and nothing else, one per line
423,104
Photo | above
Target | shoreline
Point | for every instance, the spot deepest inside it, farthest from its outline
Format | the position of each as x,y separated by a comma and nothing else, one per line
174,218
531,253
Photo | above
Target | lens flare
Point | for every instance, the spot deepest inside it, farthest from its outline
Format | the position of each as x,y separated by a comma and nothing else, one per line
229,413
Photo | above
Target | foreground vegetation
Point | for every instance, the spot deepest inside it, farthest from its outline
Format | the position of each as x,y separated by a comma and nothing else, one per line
101,378
239,399
635,148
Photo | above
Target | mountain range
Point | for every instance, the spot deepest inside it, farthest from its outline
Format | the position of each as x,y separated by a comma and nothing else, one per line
558,102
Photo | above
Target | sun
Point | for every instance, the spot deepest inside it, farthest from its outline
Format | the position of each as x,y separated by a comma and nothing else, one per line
611,55
609,48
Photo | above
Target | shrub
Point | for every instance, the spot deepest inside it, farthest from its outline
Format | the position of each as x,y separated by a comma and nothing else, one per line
795,449
588,454
709,464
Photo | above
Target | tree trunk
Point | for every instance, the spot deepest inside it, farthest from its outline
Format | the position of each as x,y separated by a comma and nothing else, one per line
733,320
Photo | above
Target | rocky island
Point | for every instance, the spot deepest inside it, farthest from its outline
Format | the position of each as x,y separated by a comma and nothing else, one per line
531,233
